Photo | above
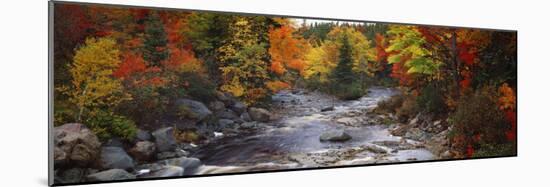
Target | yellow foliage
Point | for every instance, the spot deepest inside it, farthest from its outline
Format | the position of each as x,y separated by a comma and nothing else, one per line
92,82
244,71
319,63
322,59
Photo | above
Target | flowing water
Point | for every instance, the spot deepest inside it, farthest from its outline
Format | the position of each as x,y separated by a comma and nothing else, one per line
292,141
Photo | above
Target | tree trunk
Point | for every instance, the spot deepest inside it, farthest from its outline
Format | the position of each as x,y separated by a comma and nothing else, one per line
456,63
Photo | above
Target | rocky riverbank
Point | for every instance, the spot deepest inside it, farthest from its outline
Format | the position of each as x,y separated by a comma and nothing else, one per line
162,151
300,129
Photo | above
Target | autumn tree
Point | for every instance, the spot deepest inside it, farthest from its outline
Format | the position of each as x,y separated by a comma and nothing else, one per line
93,84
244,69
407,46
155,44
343,73
72,25
287,51
324,58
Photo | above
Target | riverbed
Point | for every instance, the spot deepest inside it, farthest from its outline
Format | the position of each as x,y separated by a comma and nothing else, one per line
291,140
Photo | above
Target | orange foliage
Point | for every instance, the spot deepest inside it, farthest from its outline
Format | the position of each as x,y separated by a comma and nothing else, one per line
131,63
287,51
507,100
183,60
276,86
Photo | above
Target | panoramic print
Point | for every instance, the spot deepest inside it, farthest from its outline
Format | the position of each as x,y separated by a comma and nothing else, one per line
143,93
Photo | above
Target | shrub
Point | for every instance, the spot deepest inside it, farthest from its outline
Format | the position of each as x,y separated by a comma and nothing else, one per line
390,105
478,119
106,124
431,100
348,91
408,109
187,136
492,150
198,87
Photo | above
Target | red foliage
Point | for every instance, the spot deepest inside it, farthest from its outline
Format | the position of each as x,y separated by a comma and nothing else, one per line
71,25
467,53
399,72
467,79
470,151
178,57
511,117
131,63
139,13
381,54
428,33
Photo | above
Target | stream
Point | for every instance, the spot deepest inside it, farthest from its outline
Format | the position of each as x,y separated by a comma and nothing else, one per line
292,140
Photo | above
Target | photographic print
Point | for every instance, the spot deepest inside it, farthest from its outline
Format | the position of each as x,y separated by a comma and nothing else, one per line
144,93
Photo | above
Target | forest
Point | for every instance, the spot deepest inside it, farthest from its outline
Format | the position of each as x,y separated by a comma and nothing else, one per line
203,77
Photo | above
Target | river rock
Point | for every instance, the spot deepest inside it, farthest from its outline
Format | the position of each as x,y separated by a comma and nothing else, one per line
225,123
227,114
75,145
347,121
376,149
114,142
245,117
164,139
335,136
115,158
415,134
248,125
166,155
226,98
329,108
196,110
166,171
216,106
143,150
143,135
110,175
72,175
238,107
189,164
259,114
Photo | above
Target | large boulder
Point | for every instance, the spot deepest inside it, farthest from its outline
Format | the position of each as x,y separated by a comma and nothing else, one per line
75,145
110,175
114,142
259,114
143,150
192,109
164,139
143,135
335,136
115,158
